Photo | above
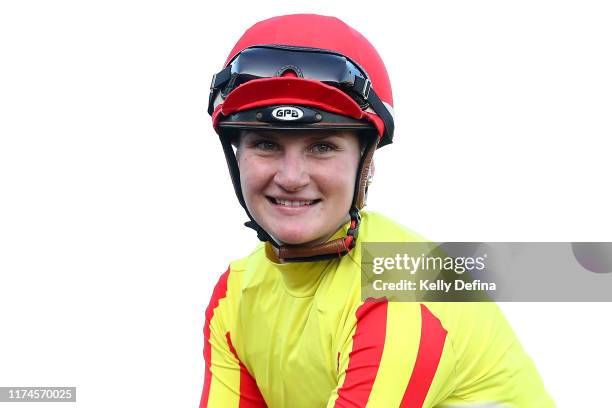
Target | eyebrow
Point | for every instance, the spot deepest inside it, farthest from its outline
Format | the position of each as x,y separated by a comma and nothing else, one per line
325,136
312,136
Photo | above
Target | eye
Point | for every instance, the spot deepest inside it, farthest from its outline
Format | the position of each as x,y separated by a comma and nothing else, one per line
265,145
323,148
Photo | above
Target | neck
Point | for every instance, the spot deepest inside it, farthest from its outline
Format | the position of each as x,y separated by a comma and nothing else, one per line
309,244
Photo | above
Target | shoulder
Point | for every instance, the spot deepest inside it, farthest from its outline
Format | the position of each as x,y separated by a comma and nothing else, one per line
377,227
480,337
490,362
475,329
230,282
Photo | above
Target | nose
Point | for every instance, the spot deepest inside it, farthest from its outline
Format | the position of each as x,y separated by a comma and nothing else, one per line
292,173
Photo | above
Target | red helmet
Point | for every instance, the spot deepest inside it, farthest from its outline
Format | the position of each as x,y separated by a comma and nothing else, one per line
304,71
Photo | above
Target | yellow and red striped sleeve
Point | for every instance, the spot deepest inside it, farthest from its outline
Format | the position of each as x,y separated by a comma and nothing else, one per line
396,356
227,382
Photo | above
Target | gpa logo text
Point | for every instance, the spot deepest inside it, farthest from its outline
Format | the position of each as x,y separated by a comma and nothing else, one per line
287,113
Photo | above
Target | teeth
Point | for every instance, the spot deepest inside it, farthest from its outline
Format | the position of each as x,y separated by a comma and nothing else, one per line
292,203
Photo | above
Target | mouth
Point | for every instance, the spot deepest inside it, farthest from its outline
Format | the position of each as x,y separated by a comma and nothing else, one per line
292,203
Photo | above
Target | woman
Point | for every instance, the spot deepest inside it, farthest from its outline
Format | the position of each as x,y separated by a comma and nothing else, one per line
301,106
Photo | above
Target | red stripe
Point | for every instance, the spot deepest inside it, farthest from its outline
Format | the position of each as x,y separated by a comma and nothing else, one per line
250,396
219,293
364,359
347,242
431,346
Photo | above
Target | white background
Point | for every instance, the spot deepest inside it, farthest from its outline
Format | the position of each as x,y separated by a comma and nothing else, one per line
117,215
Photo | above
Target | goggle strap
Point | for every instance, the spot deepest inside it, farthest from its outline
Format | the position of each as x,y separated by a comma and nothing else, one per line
219,80
362,86
381,110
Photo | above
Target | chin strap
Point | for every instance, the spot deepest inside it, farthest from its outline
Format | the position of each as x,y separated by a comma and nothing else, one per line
328,250
262,235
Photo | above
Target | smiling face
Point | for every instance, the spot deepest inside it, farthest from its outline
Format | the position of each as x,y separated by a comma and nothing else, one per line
298,185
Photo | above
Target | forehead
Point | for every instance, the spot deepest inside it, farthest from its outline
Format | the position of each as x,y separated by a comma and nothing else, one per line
290,135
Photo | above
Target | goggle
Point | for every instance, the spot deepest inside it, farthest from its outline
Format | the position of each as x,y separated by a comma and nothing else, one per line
310,63
329,67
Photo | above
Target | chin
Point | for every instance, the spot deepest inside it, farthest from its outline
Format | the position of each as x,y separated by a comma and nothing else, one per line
294,236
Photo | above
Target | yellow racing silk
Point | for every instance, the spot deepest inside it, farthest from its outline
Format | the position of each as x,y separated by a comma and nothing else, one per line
298,335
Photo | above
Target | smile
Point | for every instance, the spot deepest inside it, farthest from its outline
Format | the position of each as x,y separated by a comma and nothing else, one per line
292,203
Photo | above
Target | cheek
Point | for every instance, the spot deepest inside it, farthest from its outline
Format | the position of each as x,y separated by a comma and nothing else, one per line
339,180
253,175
